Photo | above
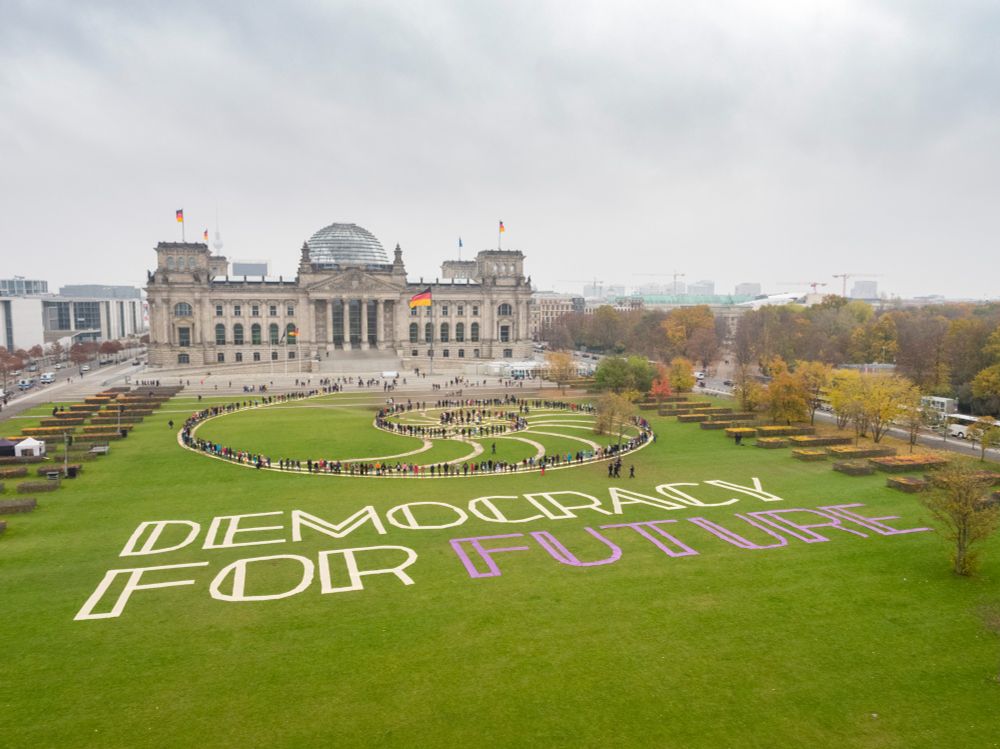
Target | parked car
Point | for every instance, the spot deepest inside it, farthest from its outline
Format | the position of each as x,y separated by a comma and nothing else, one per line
85,368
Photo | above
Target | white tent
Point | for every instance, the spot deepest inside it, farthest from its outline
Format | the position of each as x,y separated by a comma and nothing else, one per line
29,447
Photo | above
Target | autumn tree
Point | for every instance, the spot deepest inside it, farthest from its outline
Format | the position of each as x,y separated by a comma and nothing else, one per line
967,515
614,415
660,388
785,399
9,363
632,376
561,367
883,399
36,352
913,416
846,397
681,375
56,350
986,432
78,354
815,377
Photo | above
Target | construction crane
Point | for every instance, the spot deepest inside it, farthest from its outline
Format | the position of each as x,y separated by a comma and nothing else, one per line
675,275
812,284
845,276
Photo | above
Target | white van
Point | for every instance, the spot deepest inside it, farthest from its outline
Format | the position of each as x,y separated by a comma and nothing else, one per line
47,378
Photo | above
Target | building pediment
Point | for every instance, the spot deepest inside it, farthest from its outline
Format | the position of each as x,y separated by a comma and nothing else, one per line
351,281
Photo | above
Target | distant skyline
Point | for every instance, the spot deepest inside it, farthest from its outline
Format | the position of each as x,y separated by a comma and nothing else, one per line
770,142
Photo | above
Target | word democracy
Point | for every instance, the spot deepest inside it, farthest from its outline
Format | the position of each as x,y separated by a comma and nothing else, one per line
343,569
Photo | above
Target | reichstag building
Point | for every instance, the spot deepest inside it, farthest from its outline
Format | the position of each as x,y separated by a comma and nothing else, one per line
349,302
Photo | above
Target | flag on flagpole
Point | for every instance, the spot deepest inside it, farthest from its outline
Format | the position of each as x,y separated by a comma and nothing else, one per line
423,299
459,243
180,216
204,235
501,227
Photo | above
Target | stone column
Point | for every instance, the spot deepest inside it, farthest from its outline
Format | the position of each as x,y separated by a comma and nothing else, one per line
346,322
379,323
364,323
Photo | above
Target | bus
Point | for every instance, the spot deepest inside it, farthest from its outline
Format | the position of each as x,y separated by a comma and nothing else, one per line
961,425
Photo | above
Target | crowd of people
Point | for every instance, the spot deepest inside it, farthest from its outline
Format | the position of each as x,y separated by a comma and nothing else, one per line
505,413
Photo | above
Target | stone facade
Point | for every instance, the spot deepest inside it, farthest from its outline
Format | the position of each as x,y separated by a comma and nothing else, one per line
340,304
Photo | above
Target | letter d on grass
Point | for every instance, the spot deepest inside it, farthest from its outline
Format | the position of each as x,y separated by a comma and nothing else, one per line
156,528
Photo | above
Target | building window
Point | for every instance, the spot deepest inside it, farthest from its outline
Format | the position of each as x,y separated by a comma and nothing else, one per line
444,310
237,310
508,353
459,332
218,310
182,309
220,335
475,310
273,334
444,332
184,336
430,352
475,353
460,310
183,359
504,310
291,354
274,356
220,357
272,310
414,332
504,333
256,355
414,311
238,334
474,332
461,353
429,332
290,310
291,335
255,334
170,263
414,352
447,353
239,356
254,310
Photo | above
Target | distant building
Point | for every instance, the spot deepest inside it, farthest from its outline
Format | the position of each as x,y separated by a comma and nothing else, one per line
747,289
91,312
603,291
701,288
549,306
864,290
18,286
97,291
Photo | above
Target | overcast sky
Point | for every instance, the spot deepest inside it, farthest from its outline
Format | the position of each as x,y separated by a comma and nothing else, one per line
735,141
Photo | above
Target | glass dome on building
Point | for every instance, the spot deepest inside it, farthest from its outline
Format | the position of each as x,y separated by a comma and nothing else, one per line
346,244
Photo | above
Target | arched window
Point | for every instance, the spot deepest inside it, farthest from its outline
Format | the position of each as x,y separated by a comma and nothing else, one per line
474,332
444,332
170,263
291,334
238,334
182,309
183,359
429,332
273,333
504,310
220,335
414,332
191,262
460,332
255,334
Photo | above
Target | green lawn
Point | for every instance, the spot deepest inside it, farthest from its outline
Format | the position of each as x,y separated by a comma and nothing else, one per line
855,642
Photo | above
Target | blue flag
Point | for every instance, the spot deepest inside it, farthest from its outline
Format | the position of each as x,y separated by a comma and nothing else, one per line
459,241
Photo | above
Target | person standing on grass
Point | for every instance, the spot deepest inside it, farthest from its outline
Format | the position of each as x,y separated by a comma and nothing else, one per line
631,472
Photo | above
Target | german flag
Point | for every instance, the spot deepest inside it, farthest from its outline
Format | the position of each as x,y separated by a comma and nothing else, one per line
180,215
423,299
